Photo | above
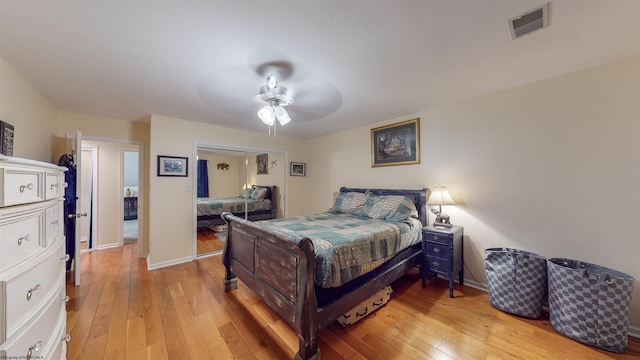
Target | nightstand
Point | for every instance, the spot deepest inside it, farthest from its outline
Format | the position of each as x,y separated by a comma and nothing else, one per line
443,249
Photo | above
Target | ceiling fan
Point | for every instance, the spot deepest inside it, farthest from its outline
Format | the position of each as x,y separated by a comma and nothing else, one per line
242,91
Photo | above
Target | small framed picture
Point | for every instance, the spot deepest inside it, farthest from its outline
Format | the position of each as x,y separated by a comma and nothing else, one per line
261,162
173,166
298,169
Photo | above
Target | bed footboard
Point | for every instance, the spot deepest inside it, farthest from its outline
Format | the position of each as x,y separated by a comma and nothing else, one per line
279,268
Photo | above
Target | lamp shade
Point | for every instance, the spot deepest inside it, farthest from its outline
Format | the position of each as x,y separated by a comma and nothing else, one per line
266,115
282,115
440,196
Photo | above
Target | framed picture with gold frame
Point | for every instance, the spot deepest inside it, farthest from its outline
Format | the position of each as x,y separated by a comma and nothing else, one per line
396,144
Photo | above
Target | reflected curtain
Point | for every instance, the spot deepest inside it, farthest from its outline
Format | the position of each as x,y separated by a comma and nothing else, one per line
203,178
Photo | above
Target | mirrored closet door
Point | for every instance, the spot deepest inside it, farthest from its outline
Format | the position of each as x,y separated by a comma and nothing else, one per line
248,184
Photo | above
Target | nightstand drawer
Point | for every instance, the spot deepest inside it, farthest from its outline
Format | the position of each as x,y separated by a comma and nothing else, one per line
443,239
439,264
437,250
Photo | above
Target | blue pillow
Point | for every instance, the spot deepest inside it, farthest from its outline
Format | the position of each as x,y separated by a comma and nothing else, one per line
388,207
348,202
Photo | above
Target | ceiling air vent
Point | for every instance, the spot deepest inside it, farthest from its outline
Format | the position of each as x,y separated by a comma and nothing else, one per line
529,21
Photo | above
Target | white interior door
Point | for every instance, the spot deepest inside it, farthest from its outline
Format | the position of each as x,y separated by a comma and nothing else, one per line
74,147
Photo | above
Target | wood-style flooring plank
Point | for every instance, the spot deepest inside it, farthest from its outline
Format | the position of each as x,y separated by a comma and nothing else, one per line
124,311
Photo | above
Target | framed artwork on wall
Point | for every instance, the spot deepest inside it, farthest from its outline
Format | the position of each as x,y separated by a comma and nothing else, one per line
173,166
298,169
396,144
262,160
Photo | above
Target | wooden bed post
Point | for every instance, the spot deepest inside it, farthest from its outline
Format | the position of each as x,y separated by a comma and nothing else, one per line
230,280
306,318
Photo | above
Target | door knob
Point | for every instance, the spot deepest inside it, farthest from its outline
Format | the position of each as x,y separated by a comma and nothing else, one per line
71,216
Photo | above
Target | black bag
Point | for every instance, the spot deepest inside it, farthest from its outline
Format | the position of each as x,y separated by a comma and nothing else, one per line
590,303
517,281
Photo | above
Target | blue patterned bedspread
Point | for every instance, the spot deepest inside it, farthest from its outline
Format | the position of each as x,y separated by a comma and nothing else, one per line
211,206
348,246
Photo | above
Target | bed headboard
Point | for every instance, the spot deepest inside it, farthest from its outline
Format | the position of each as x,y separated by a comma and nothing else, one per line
271,195
418,196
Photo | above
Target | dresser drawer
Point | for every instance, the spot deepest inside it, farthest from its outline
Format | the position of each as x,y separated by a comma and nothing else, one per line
20,238
439,264
26,293
53,185
20,186
443,239
60,342
41,336
437,250
53,223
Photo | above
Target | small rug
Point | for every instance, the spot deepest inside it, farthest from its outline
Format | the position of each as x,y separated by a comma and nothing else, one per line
130,231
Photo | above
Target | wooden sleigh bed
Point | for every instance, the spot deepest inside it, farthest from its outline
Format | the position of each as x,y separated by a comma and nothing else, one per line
281,269
210,209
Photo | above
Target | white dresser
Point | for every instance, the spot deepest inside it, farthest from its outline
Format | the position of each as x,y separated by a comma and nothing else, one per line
32,260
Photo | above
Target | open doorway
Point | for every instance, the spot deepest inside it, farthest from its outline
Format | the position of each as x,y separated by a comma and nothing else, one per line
130,193
87,199
105,197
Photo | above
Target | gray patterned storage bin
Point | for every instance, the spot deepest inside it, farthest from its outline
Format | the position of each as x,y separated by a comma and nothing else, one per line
517,281
590,303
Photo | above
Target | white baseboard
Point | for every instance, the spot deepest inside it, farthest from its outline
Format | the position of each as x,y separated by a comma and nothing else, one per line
108,246
167,263
633,330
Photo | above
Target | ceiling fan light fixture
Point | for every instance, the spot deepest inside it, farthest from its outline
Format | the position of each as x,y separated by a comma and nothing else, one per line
276,97
282,115
267,115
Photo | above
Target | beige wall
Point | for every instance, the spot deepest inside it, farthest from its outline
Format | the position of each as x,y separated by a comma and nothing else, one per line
32,116
552,167
171,208
224,183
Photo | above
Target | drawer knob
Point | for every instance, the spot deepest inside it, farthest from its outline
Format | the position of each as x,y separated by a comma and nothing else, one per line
436,237
32,348
22,239
66,257
435,265
33,290
29,186
55,222
65,299
66,338
436,250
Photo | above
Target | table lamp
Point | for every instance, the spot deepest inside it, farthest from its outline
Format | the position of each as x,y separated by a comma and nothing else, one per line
440,196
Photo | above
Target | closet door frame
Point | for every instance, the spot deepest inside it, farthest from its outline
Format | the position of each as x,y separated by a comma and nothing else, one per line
197,145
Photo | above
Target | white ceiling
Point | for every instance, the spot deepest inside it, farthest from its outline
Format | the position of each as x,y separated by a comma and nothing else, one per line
354,62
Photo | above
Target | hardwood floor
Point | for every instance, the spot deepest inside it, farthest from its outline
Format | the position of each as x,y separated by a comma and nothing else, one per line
208,242
123,311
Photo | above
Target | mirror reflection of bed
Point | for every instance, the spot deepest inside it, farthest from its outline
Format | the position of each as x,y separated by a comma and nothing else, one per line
234,183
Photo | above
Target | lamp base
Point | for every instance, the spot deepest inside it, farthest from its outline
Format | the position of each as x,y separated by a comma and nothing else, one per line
441,225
